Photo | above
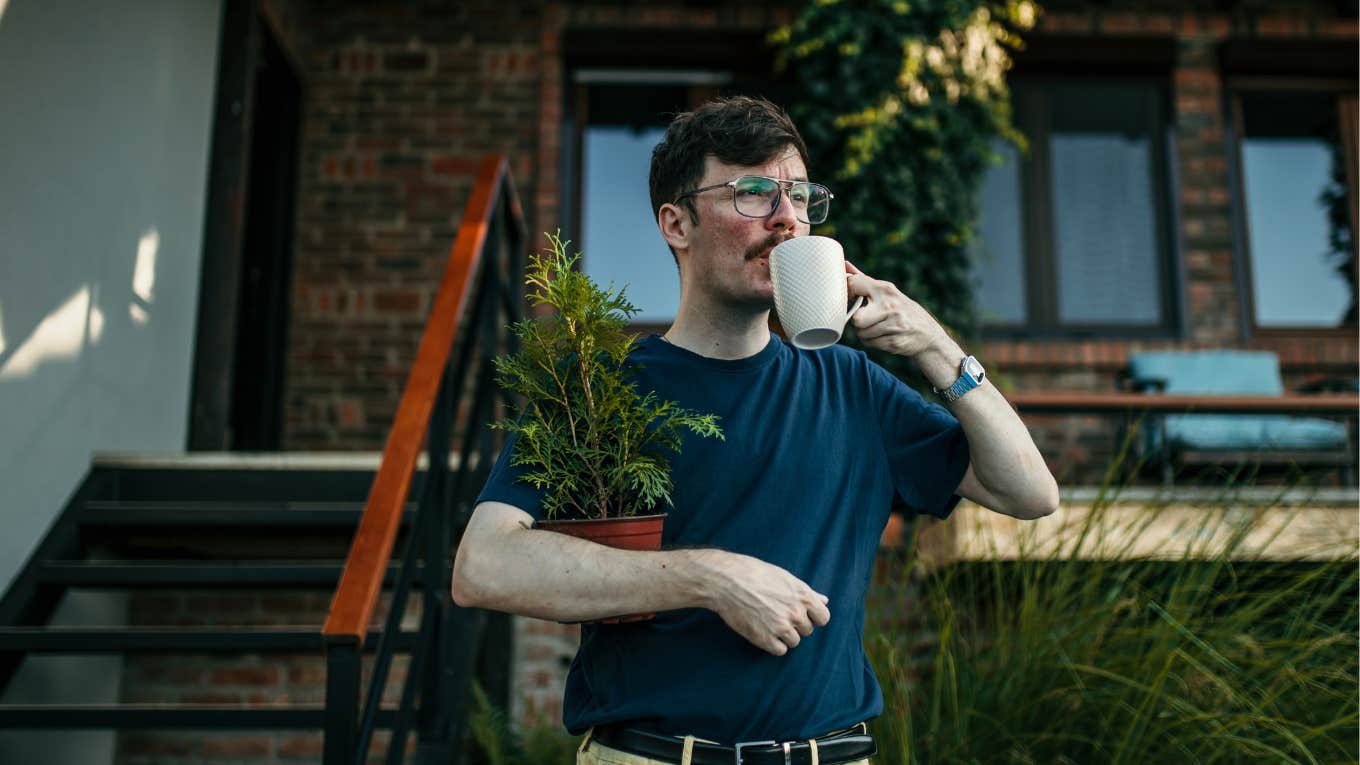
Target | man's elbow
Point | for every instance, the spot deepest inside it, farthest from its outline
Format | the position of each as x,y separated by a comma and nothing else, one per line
1044,504
468,586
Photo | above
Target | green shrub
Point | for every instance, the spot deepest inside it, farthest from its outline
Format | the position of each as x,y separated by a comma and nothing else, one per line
1211,658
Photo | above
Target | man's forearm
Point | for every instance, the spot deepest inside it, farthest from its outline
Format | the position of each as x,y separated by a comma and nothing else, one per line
1004,457
506,567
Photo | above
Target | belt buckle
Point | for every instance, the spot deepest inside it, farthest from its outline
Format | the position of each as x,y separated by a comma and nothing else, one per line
746,744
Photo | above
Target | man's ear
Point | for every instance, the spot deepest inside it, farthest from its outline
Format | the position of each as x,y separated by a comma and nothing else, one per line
675,224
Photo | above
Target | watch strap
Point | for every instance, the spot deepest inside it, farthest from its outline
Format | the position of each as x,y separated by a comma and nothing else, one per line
965,383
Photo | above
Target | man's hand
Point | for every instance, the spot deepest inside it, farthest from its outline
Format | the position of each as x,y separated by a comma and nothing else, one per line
763,603
890,321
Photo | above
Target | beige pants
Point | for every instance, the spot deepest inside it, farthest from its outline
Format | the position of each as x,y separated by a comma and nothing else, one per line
595,753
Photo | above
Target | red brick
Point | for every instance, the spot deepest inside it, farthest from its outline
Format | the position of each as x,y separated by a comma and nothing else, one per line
1280,26
161,744
1120,23
402,301
455,165
1159,23
267,675
309,747
1345,28
309,675
1080,23
237,746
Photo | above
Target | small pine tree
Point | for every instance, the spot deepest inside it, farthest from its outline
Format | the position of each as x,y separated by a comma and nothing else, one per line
586,435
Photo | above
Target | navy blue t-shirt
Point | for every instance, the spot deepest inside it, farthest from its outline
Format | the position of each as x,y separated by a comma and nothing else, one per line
818,445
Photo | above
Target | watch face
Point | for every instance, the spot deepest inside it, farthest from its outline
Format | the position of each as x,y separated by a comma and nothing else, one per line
974,369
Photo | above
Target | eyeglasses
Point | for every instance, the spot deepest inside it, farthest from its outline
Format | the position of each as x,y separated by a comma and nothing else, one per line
756,196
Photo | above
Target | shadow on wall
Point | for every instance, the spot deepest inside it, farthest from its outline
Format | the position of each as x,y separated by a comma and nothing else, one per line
64,331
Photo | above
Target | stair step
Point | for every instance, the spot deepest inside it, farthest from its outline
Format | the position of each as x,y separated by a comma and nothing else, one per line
106,574
205,513
175,639
203,716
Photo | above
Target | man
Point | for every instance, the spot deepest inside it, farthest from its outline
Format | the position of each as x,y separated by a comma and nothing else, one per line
760,591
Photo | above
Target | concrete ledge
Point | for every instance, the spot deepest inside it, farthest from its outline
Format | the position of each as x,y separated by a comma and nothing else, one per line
1156,523
252,460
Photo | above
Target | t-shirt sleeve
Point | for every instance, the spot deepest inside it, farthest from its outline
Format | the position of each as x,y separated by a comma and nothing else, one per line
926,447
504,484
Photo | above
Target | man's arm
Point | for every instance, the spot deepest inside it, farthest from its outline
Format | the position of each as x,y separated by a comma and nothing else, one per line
1007,473
503,564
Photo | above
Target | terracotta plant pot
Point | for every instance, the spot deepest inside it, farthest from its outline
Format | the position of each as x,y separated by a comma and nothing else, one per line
639,532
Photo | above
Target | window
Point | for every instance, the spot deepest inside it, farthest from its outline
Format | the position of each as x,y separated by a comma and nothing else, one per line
623,87
1297,196
1074,236
620,121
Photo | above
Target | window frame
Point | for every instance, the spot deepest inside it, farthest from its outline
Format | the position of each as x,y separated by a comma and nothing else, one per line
686,58
1234,88
1038,225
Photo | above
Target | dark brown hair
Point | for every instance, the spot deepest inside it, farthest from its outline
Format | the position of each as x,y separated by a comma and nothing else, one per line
740,130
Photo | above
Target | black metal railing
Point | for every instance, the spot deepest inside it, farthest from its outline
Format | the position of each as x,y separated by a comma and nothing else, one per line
445,400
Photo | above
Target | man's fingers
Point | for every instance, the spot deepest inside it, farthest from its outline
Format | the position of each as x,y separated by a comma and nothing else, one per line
821,615
866,317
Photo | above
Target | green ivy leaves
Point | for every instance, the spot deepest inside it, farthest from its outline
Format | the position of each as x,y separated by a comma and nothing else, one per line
902,102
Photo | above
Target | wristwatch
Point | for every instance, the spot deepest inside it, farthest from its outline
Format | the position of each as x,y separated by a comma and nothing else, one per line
971,375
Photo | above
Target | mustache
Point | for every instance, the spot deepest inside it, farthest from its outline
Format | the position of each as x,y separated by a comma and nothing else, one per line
768,243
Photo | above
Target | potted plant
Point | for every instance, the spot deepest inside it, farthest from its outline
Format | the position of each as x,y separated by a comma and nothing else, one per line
600,449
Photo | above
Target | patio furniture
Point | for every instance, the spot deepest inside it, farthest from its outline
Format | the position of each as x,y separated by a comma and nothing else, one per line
1175,440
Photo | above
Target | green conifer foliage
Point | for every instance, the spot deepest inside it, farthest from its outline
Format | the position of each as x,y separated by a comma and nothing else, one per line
597,446
900,103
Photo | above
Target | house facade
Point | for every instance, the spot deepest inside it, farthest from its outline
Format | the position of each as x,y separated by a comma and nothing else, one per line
225,221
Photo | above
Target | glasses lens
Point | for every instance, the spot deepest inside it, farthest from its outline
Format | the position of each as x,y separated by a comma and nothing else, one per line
755,196
811,201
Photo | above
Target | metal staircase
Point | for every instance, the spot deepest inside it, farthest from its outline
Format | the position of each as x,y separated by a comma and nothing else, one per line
203,524
372,538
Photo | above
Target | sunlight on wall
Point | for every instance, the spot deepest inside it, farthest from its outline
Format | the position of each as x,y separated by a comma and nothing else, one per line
60,336
3,3
144,275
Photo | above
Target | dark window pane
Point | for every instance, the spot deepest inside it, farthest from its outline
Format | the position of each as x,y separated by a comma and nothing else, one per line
998,260
1299,236
1104,203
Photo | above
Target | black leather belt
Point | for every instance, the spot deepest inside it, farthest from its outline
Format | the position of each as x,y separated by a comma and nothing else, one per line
846,746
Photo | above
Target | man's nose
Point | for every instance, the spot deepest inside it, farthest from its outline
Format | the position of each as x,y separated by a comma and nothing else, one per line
782,215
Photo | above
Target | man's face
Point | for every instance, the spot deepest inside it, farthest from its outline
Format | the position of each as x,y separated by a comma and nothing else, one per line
729,253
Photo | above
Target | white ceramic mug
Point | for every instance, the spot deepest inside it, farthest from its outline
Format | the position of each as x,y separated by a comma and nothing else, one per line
808,273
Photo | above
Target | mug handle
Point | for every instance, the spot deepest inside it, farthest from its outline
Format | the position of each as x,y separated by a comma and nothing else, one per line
859,301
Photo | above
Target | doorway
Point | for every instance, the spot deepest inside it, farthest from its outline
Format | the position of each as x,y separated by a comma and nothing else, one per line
241,350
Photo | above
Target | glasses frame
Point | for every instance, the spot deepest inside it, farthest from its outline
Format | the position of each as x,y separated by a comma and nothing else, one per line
784,187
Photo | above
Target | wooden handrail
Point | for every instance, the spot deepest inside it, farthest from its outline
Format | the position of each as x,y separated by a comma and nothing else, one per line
1083,402
356,595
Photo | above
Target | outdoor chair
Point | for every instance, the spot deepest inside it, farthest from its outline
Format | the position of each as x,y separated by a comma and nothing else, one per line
1173,441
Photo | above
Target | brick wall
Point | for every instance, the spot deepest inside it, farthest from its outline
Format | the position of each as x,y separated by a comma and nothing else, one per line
245,679
401,101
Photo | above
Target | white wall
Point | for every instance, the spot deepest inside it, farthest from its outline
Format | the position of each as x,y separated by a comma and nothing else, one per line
105,128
